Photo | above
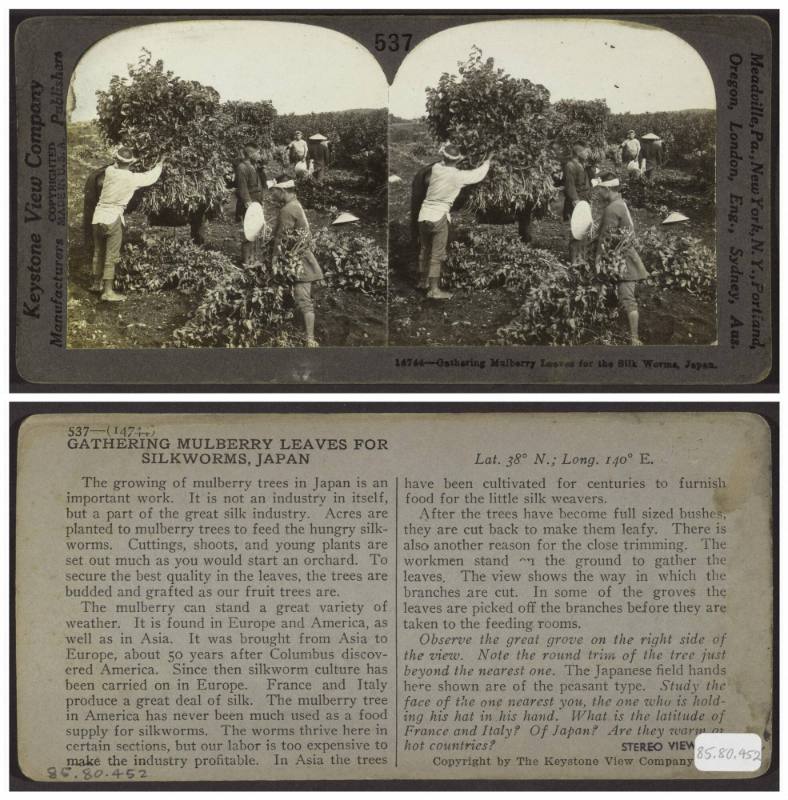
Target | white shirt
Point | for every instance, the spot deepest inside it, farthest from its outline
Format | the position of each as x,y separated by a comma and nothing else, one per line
446,181
299,147
631,147
119,187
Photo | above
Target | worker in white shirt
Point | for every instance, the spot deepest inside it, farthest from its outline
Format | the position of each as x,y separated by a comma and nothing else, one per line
444,183
297,150
630,149
120,183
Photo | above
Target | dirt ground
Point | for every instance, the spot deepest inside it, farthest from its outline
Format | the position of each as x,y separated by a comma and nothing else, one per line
472,318
148,320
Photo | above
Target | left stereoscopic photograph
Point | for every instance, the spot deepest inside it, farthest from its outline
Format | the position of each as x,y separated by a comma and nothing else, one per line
227,187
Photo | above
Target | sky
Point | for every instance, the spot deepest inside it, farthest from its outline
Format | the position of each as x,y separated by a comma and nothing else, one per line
301,68
634,67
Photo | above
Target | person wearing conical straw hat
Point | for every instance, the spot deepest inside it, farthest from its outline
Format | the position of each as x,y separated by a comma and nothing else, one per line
616,216
292,220
651,155
318,155
118,188
444,183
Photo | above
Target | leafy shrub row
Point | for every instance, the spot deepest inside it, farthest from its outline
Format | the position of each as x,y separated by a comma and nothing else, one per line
167,262
338,193
485,259
244,306
658,193
565,304
350,261
679,262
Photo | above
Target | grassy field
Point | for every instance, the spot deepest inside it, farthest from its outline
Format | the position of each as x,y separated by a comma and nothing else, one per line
472,318
344,318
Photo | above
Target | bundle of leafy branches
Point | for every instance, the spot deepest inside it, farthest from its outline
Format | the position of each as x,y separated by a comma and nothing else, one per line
679,262
159,115
484,110
610,255
243,123
245,308
582,121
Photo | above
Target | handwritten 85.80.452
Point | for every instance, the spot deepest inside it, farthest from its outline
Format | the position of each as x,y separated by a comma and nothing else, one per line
711,753
562,459
83,773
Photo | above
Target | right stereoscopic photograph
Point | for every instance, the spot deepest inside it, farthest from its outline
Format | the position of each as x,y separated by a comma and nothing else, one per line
552,182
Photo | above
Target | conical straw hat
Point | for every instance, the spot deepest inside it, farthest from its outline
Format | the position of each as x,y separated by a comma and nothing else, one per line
674,216
345,217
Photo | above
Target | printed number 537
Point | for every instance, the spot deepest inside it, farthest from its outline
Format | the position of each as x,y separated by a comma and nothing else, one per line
392,41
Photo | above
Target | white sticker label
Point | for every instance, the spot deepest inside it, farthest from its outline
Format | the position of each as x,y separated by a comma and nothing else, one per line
727,752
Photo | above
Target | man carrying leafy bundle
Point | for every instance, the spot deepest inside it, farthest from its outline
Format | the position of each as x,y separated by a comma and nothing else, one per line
118,188
292,224
616,217
444,183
